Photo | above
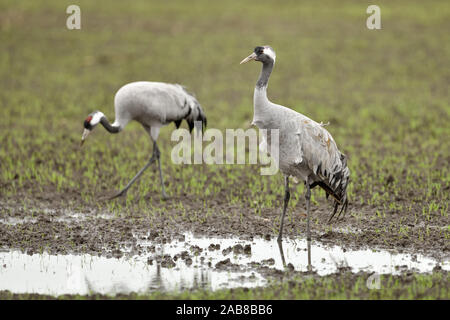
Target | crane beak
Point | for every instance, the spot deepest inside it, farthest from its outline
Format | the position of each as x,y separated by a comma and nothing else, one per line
249,58
84,136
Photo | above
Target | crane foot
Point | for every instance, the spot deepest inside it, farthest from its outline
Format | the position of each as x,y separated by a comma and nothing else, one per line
164,197
117,195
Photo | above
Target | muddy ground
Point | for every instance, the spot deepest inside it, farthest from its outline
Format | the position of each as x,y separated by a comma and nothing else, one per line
56,229
63,223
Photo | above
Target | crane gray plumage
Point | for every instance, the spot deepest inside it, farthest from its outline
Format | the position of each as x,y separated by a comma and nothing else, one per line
153,105
306,149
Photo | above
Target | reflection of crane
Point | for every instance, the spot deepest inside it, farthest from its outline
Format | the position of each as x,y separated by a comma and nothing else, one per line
154,105
306,149
280,247
157,281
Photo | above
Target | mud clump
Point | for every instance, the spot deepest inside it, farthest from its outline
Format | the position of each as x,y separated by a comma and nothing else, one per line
327,235
153,235
437,268
227,251
167,262
224,263
238,249
196,250
213,247
251,277
401,268
184,255
269,262
116,253
254,264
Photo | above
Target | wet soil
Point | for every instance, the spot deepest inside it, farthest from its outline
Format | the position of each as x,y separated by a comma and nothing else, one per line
54,228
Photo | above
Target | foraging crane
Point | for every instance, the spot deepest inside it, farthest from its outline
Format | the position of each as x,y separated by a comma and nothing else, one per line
153,105
306,149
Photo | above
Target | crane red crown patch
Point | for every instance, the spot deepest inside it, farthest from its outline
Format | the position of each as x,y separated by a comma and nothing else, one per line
88,119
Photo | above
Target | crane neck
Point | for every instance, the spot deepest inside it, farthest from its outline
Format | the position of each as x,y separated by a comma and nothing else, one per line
111,128
260,100
264,76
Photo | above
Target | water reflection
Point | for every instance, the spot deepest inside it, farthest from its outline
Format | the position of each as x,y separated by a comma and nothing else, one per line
283,260
192,265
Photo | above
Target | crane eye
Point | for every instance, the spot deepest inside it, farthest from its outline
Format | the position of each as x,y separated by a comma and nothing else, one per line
259,50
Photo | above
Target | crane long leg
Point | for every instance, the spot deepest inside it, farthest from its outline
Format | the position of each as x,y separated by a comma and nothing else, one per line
287,195
309,255
158,156
308,198
152,159
308,213
280,246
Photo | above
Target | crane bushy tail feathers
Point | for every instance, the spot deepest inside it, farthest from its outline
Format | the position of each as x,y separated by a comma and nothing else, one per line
336,186
195,114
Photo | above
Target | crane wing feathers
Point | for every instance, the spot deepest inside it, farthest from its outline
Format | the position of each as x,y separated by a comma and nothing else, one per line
317,147
317,150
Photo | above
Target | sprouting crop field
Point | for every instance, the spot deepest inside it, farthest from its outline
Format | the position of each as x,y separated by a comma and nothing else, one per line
385,93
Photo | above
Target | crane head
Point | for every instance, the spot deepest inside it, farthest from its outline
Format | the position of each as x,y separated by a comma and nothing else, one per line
263,54
89,124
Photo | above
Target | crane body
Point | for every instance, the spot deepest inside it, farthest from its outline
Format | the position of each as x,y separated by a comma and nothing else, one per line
306,149
153,105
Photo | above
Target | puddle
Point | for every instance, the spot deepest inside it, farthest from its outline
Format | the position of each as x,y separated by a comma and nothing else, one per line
191,263
324,260
70,216
77,217
67,216
13,220
84,274
349,230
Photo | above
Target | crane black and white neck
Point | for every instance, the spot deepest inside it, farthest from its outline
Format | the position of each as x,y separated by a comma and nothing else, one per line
306,149
153,105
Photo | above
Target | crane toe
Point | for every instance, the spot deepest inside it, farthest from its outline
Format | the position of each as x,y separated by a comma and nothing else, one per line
117,195
164,196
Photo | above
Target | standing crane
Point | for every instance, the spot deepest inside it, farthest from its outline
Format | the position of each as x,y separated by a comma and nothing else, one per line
153,105
306,149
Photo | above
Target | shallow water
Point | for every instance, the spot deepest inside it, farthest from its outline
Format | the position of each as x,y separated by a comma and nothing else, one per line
83,274
71,274
324,259
13,220
66,216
